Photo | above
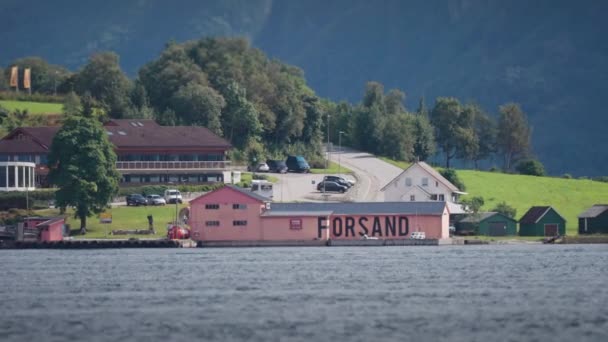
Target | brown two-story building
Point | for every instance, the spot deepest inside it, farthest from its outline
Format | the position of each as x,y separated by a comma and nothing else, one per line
147,153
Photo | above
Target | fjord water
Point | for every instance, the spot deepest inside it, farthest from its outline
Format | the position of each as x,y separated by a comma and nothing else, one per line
451,293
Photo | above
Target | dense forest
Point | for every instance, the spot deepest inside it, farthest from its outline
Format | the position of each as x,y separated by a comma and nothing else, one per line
265,109
550,57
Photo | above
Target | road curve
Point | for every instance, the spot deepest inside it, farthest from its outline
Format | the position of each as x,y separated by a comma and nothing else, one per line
371,173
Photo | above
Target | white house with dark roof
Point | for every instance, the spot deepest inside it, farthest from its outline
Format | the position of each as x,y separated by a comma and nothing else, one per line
421,183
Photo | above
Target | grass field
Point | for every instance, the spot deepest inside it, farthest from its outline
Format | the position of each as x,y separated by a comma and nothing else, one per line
569,197
33,107
334,168
124,218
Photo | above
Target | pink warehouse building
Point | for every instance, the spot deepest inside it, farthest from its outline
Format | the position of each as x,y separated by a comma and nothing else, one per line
235,214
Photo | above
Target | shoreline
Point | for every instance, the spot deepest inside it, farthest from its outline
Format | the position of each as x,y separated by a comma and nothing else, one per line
166,243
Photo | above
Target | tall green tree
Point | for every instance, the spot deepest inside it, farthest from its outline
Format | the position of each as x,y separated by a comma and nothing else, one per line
513,137
83,166
445,118
370,118
312,131
239,117
424,144
422,110
485,131
103,78
195,104
72,105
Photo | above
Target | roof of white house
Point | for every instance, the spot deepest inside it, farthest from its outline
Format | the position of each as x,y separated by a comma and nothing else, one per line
429,170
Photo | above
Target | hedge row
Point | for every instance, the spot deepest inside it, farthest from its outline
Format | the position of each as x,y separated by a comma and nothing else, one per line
19,199
160,189
36,97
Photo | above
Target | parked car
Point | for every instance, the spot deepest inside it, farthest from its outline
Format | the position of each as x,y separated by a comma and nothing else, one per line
136,200
339,180
156,200
262,167
418,235
173,196
278,166
297,164
330,186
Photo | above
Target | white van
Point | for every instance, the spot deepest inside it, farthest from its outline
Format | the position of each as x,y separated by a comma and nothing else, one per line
173,196
262,187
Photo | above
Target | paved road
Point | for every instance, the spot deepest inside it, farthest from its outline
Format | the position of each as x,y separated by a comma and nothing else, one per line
371,172
371,175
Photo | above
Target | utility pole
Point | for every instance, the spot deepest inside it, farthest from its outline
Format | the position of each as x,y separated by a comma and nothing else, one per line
327,161
340,151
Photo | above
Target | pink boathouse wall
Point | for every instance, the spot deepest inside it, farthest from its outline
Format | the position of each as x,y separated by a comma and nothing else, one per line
225,215
51,229
213,216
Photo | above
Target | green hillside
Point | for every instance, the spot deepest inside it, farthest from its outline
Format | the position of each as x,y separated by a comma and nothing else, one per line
33,107
569,197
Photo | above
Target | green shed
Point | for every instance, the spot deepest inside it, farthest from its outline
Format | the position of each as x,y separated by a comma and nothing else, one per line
542,221
594,220
490,223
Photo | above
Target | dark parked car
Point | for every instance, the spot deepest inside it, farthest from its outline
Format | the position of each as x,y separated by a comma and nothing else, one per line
338,180
136,200
277,166
297,164
331,187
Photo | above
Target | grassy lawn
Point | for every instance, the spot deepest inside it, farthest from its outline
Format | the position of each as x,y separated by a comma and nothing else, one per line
333,169
124,218
569,197
33,107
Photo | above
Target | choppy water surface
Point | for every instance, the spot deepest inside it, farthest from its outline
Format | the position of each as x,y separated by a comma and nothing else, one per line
452,293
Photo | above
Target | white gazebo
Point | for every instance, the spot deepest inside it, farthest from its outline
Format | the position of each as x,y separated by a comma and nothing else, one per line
17,176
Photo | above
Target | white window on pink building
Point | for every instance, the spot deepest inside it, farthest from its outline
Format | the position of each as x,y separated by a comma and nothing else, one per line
295,224
239,206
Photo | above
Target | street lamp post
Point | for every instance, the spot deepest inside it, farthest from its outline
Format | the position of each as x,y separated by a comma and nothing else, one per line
327,160
340,151
55,83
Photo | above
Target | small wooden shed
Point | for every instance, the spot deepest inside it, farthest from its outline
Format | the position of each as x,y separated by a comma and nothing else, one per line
594,220
542,221
47,228
489,223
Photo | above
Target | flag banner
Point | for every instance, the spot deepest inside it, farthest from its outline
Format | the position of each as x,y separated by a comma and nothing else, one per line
14,77
26,78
